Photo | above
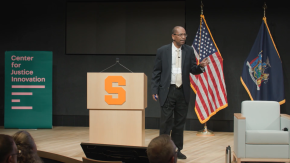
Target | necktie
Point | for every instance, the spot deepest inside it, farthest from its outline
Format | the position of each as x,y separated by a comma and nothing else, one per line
178,65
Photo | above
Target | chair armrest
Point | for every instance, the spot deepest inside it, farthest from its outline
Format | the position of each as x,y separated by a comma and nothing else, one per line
285,121
57,157
239,135
285,116
239,116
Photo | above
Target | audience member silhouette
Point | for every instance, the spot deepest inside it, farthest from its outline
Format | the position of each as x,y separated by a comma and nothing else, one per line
27,148
162,150
8,149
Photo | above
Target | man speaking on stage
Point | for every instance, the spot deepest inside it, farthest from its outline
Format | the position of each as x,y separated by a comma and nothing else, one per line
170,84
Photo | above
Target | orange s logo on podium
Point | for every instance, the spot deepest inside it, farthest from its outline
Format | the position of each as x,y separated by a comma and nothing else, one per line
116,90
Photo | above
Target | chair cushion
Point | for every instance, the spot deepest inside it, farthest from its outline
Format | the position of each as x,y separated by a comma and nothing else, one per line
267,151
261,115
267,137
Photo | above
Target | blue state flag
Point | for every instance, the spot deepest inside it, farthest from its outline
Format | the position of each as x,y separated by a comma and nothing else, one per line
262,74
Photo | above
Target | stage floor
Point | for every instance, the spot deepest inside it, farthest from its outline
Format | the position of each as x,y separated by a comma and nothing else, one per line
66,141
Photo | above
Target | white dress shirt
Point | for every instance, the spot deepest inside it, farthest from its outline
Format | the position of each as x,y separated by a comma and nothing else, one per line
175,70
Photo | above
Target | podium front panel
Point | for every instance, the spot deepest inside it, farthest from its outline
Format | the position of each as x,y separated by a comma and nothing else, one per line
117,91
118,127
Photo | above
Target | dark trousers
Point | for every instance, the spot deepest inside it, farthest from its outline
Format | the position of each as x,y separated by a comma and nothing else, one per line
174,104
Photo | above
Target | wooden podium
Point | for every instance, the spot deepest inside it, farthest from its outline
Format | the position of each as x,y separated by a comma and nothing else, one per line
116,103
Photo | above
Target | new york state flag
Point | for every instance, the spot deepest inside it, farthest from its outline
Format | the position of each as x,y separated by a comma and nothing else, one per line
262,74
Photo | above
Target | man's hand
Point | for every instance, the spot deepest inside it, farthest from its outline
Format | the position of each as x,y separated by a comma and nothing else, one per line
155,99
204,62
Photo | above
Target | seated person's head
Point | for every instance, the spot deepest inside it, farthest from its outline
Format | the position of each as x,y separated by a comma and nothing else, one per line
8,149
26,146
162,150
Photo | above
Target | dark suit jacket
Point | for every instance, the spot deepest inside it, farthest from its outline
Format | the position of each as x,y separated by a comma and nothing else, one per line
161,76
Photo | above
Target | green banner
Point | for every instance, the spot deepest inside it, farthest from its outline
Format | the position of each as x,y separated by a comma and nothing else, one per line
28,89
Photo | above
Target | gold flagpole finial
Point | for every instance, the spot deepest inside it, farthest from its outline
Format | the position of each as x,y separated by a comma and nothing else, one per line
265,7
201,6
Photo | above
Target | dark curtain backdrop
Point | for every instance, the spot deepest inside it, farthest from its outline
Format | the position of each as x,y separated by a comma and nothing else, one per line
40,25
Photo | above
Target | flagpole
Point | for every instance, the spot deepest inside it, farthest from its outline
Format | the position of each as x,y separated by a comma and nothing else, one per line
201,6
204,132
265,7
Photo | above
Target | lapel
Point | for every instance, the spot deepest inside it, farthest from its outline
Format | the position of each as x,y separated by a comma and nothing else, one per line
169,51
183,53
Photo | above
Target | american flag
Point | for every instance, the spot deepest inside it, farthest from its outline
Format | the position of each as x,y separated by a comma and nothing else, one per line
209,87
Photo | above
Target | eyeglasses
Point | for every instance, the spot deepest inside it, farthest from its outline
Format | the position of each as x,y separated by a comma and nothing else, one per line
174,153
182,34
17,154
176,150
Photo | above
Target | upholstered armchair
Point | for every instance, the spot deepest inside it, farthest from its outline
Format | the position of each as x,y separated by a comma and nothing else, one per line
259,133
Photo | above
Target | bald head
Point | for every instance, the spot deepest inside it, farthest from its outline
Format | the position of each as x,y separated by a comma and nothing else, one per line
174,30
161,150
